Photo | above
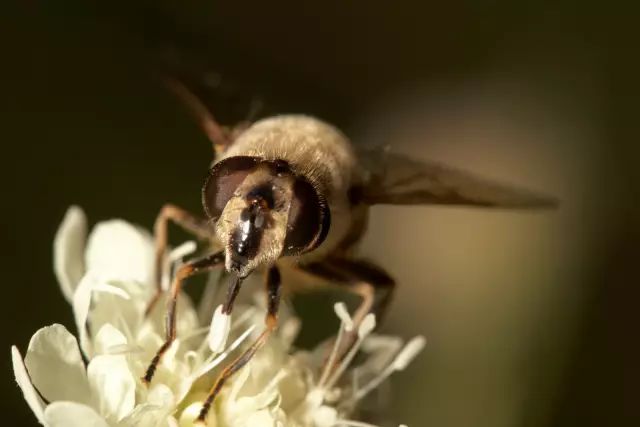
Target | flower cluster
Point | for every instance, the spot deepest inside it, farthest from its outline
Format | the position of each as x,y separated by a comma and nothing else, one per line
95,380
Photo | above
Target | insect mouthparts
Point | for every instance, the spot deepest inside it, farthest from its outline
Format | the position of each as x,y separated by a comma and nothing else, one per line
245,240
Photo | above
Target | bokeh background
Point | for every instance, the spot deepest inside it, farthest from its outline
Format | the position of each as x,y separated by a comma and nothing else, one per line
531,317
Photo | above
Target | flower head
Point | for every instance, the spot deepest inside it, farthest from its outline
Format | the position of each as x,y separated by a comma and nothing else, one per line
95,379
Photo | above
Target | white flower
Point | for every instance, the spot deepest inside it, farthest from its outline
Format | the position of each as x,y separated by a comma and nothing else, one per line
95,380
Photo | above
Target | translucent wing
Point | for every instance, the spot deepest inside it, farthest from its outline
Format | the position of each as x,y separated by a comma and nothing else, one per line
397,179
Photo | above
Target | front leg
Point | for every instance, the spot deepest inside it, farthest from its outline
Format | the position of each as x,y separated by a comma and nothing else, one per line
271,322
189,269
199,227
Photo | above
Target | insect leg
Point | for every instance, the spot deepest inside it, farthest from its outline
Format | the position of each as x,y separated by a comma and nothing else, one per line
197,226
370,282
271,321
199,265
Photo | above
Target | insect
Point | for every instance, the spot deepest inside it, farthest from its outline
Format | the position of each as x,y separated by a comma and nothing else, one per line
290,193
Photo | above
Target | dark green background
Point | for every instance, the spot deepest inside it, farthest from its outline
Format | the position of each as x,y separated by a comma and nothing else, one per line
83,120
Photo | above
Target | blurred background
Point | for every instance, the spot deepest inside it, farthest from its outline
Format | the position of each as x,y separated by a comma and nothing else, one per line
530,316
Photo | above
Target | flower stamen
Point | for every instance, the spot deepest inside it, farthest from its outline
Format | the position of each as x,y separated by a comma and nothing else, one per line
346,325
366,327
400,362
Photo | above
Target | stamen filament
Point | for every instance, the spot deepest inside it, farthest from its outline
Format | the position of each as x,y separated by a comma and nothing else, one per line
345,325
214,362
400,362
365,328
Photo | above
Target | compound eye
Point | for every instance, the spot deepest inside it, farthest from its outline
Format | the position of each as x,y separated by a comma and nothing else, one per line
223,180
309,219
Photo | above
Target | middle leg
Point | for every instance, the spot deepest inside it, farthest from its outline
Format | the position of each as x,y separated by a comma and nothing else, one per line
363,278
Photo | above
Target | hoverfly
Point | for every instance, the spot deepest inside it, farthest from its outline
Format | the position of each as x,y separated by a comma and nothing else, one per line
290,192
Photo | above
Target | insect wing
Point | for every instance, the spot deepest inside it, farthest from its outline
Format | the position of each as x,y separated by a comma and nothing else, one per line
397,179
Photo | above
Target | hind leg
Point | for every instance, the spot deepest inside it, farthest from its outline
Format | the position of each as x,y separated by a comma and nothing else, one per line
362,278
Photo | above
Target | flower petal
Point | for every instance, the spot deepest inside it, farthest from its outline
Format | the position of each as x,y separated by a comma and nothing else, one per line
186,322
118,250
109,340
81,303
263,418
68,250
113,384
32,397
155,412
145,415
72,414
126,314
252,405
55,365
161,395
114,301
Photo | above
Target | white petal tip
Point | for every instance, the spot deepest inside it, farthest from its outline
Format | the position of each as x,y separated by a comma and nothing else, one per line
409,352
185,249
24,382
111,289
15,353
368,324
341,311
74,213
18,364
219,331
68,249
